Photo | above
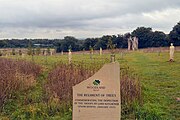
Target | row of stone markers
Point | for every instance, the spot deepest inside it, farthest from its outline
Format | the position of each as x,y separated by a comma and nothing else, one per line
70,54
171,59
23,51
132,44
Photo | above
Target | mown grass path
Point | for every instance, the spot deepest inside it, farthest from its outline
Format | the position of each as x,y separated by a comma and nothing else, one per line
160,80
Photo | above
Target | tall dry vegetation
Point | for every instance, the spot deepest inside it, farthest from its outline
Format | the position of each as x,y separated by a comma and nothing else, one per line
65,76
16,75
130,91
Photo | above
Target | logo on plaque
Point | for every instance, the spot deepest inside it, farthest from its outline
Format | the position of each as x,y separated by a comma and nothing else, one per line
96,82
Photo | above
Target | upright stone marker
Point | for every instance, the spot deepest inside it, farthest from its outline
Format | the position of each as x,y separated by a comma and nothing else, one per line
45,53
51,53
62,53
132,43
100,51
171,53
98,98
69,56
129,43
23,55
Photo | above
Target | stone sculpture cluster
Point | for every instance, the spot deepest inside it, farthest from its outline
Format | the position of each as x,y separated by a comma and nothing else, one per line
133,43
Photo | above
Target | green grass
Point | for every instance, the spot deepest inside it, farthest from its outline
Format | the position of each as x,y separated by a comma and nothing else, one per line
160,81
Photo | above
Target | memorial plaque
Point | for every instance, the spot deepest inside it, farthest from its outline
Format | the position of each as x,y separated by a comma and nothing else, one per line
98,98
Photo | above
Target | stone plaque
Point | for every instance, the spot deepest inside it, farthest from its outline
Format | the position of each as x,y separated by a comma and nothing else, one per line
98,98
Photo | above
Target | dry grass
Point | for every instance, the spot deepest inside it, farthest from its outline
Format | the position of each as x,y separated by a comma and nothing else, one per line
64,77
130,90
16,75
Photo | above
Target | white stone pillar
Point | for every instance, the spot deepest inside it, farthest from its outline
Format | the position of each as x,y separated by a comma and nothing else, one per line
171,52
129,43
100,51
70,56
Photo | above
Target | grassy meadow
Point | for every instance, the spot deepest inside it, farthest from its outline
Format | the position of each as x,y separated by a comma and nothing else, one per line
157,99
160,82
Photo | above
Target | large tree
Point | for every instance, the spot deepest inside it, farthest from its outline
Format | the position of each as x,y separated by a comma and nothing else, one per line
89,42
174,35
3,44
158,39
103,41
69,41
121,41
148,38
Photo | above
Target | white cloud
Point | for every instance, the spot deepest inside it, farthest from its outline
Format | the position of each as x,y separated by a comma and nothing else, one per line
84,18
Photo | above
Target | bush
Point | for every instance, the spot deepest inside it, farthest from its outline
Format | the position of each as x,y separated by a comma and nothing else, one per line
1,53
13,52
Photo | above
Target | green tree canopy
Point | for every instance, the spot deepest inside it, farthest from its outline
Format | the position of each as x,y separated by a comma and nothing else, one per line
90,42
148,38
174,35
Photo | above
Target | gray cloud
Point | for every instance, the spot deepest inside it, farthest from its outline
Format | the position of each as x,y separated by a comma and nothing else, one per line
84,18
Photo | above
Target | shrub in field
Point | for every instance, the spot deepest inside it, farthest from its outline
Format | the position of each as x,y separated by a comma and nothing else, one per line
48,51
16,75
38,51
20,52
1,53
13,52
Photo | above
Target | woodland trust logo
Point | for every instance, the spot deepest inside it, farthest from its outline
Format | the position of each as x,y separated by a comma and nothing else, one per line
96,85
96,82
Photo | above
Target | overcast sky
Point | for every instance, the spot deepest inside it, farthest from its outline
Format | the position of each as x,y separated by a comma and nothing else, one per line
84,18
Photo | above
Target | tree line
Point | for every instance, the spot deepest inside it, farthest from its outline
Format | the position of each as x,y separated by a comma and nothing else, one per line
147,38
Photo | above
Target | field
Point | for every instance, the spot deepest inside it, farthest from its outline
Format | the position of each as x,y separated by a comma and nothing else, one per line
159,81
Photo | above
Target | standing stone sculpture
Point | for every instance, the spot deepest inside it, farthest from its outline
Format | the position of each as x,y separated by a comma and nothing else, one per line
171,53
62,52
51,53
23,55
122,54
70,56
132,43
100,51
135,43
129,43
